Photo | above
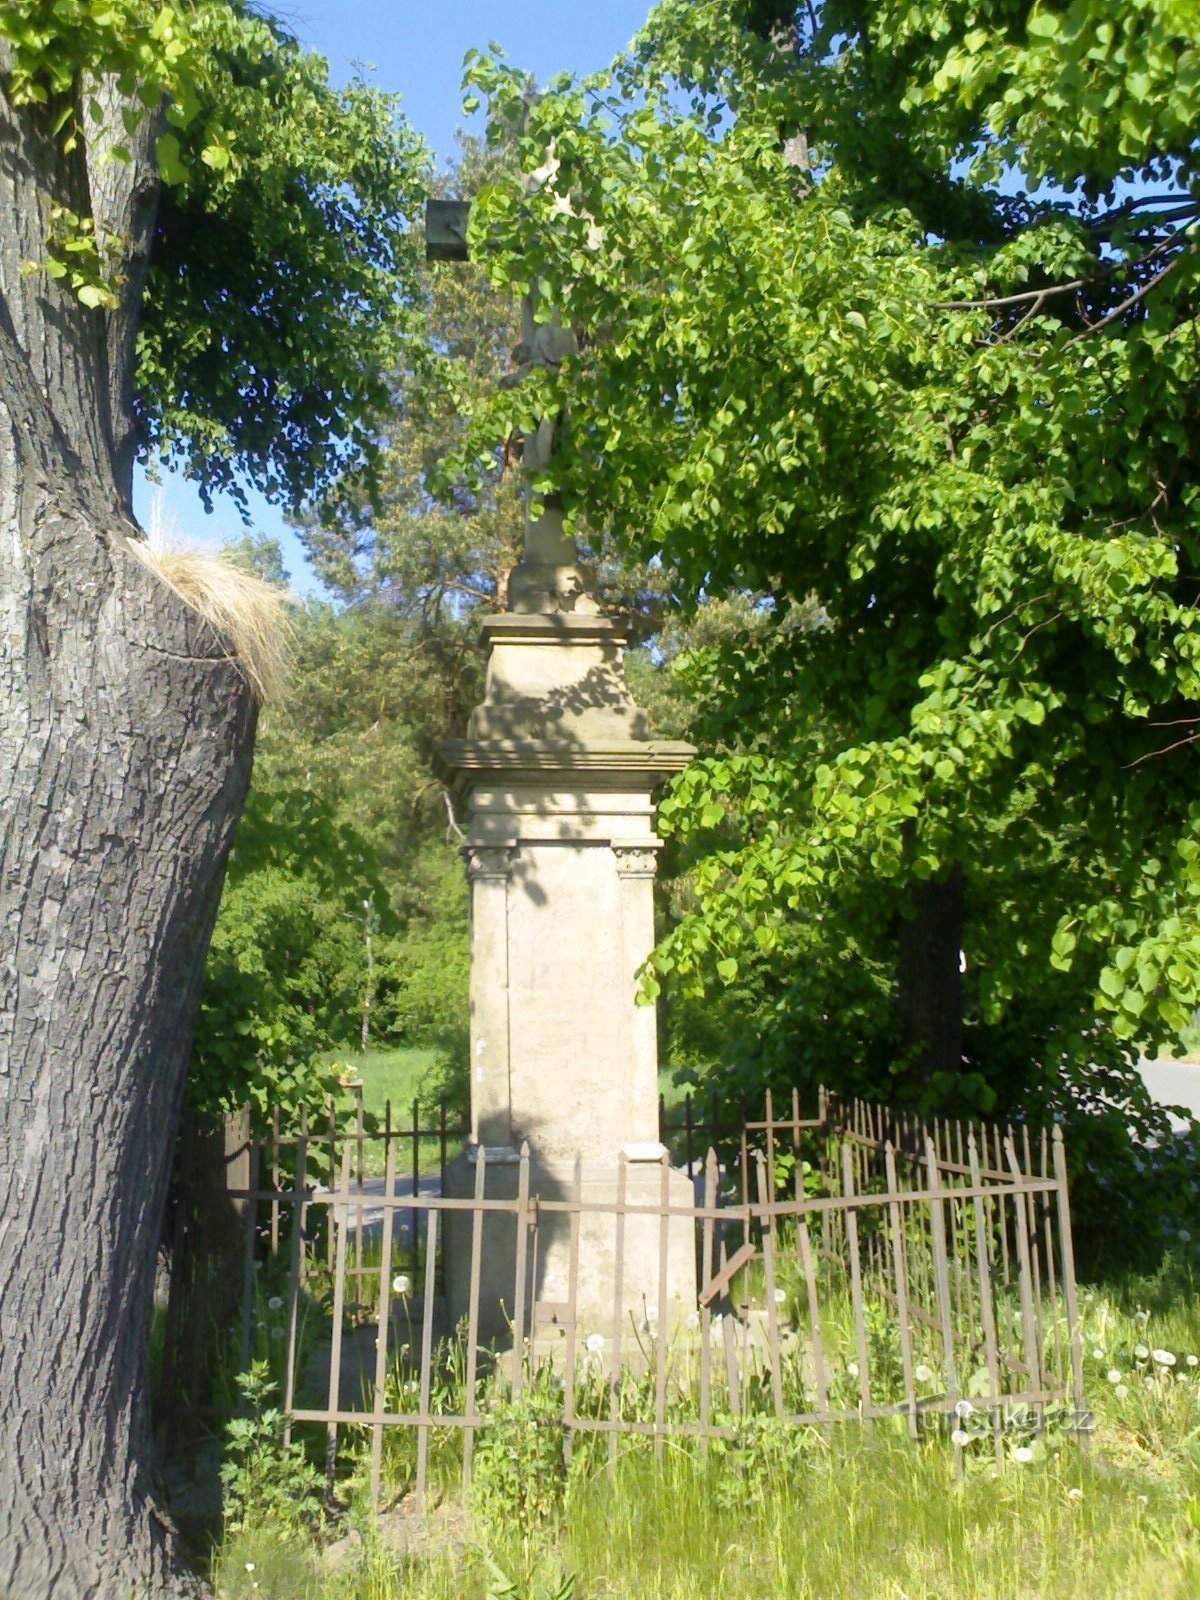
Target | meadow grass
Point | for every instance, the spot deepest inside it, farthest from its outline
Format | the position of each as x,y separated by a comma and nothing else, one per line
837,1515
400,1076
394,1075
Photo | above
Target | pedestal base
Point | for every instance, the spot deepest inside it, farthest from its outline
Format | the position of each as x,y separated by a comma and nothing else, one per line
651,1253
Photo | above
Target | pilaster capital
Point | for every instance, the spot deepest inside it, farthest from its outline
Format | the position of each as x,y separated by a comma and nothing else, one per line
637,860
489,863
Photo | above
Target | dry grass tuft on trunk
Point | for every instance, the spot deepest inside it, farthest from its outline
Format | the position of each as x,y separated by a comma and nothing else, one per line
248,615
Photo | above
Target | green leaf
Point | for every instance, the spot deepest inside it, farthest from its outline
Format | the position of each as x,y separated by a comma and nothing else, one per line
1111,982
96,296
170,165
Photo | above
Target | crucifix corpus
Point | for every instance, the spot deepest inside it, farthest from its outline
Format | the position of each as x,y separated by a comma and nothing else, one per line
555,780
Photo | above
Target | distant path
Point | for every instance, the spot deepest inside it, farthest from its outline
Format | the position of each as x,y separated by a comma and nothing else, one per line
1174,1083
373,1210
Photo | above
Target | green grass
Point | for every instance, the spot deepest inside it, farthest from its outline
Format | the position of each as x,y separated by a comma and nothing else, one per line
399,1076
859,1517
394,1075
846,1514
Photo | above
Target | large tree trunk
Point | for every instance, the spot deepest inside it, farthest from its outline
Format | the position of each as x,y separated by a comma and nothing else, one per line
125,739
929,976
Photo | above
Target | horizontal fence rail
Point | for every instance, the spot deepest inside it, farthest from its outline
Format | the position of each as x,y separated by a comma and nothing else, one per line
849,1266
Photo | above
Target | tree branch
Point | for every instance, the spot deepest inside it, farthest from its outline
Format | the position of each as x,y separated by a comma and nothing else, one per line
1001,302
1132,300
124,196
1165,751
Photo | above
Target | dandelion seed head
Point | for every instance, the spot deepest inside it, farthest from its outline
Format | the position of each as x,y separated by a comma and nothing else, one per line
1074,1494
401,1283
1165,1358
1113,1375
1022,1453
922,1373
275,1303
960,1437
963,1408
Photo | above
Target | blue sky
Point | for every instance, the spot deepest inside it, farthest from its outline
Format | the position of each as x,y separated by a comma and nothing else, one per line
416,48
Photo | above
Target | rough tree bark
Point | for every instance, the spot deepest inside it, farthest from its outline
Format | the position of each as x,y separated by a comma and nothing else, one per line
929,974
125,740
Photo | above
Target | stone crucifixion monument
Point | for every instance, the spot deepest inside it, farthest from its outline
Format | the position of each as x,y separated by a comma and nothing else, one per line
554,781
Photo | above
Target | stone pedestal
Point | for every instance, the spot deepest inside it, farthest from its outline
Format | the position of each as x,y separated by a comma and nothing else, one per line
646,1302
556,779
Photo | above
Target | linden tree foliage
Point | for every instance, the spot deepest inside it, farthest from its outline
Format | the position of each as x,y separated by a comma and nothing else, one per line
280,282
345,896
891,308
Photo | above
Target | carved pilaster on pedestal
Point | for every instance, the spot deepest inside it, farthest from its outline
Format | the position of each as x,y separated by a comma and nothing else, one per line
636,860
489,868
489,863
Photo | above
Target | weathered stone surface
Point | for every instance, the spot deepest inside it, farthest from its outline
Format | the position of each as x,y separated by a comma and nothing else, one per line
557,779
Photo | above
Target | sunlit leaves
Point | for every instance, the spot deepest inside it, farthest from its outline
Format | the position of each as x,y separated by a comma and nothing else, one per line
964,423
283,267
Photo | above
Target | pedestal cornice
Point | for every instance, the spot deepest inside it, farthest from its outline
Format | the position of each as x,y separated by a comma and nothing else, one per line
633,763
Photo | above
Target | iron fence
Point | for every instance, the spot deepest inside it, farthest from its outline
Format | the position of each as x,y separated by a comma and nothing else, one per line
852,1265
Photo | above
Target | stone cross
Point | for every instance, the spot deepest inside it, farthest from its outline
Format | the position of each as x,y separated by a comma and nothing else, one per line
555,778
548,577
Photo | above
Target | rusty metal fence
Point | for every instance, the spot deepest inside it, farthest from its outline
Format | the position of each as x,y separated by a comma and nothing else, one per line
852,1265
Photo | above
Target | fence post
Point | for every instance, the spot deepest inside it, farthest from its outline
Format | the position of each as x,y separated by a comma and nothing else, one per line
856,1294
423,1423
572,1307
618,1318
809,1269
768,1246
341,1229
518,1330
706,1270
1083,1419
900,1269
299,1195
1029,1341
275,1180
473,1312
360,1177
251,1226
416,1177
333,1178
659,1334
937,1222
384,1321
770,1120
986,1308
